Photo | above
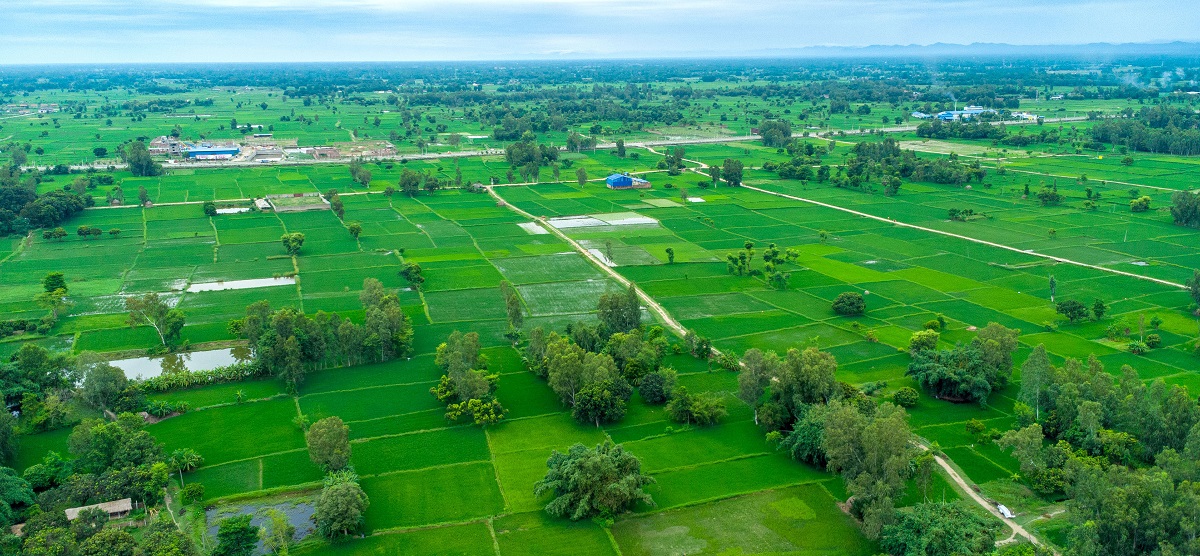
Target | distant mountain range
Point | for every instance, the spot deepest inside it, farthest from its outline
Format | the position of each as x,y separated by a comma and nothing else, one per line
992,50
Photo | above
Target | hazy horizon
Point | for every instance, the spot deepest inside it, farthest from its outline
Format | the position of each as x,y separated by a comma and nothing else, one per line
264,31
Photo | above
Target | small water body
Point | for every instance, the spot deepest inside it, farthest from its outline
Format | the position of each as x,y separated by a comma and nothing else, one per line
149,367
242,284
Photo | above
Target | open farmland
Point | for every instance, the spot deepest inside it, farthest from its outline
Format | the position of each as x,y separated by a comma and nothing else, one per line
420,472
517,229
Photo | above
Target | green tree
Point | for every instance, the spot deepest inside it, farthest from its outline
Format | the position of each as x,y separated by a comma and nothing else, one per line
703,409
512,306
152,310
906,397
139,160
656,387
601,402
581,176
88,523
604,481
102,384
163,538
355,229
15,496
1036,377
340,509
55,301
292,242
873,454
109,542
620,311
758,369
959,374
54,281
731,169
849,304
1072,309
210,208
1098,309
1194,286
931,529
923,340
236,536
51,541
714,174
185,459
411,272
276,534
670,255
1053,287
9,440
329,444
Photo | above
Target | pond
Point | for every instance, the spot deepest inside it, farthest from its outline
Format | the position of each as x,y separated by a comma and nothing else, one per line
242,284
148,367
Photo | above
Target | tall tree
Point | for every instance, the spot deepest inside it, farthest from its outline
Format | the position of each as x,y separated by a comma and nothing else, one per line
341,507
329,443
1035,378
512,305
139,160
731,170
620,312
152,310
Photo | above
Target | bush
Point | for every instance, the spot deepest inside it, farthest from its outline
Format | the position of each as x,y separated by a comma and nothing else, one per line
178,381
923,340
906,397
193,492
849,303
1138,347
1153,340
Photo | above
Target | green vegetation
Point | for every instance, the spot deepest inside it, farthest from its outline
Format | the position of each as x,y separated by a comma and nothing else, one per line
433,349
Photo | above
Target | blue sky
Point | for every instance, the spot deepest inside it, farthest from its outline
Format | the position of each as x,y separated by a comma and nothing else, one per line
55,31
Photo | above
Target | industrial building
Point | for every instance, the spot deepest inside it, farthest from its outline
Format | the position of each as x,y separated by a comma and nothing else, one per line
208,151
964,114
622,181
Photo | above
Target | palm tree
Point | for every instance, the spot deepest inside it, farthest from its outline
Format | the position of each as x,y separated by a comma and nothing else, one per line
185,459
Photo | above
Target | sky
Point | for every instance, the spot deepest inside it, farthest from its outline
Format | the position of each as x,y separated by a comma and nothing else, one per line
118,31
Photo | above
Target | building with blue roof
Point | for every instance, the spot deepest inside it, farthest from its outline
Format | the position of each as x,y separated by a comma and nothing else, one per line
208,152
622,181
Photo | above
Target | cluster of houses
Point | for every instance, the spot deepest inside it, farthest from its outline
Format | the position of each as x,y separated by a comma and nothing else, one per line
25,108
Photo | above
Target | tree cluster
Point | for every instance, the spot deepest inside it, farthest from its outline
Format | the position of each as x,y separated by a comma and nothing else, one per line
288,343
466,387
968,372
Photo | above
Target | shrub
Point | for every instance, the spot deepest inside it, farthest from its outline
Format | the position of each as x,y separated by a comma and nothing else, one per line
906,397
1138,347
849,303
923,340
178,381
1153,340
193,492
